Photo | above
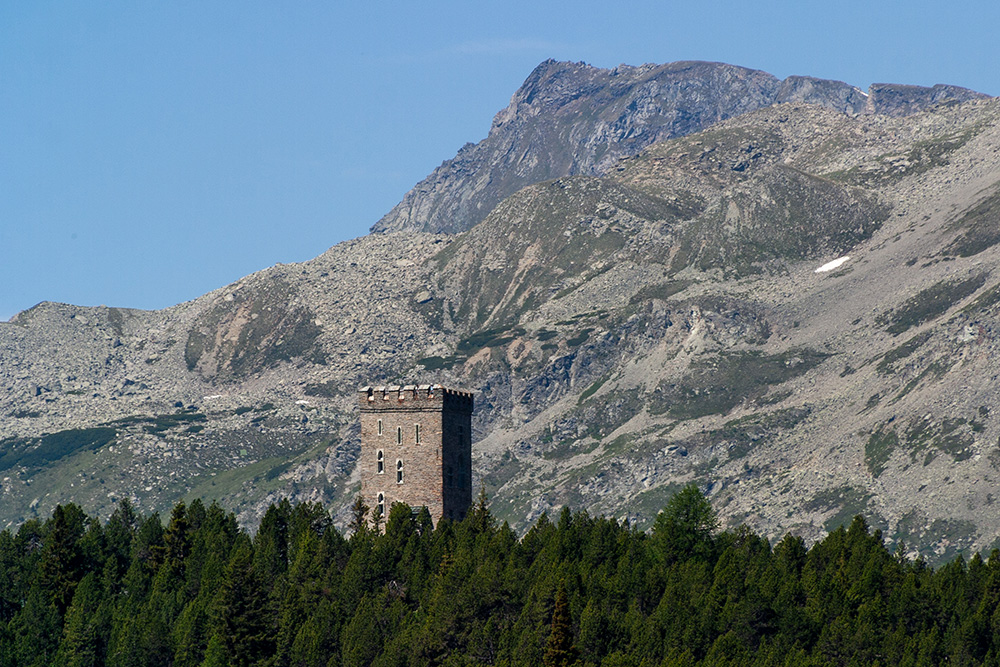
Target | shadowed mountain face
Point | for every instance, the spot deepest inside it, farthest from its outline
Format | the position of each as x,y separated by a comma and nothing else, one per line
796,308
571,118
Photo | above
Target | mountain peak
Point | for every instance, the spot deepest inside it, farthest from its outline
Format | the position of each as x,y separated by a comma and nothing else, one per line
573,118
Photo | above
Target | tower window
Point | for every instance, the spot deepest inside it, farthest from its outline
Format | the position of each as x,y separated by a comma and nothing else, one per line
380,462
381,504
399,435
380,427
416,433
450,477
399,471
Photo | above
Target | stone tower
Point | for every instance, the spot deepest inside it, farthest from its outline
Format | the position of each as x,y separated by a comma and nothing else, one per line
416,448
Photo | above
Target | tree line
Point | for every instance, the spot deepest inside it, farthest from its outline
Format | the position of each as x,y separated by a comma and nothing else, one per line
576,589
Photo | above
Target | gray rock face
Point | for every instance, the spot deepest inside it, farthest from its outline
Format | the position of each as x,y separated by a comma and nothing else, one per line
835,95
571,118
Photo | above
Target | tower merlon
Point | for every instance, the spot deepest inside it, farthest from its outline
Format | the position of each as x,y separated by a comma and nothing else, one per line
414,397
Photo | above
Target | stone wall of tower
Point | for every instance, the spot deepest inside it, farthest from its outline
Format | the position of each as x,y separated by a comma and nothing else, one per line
423,437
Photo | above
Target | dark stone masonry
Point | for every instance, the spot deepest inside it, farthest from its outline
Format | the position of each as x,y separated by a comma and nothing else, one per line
416,448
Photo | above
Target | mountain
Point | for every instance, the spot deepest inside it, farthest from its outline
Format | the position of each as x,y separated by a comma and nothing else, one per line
573,119
688,315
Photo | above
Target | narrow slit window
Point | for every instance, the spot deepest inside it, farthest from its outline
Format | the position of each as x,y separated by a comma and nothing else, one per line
381,504
380,462
399,435
416,433
399,472
380,427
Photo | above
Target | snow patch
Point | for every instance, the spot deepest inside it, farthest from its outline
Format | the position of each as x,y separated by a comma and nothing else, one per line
830,266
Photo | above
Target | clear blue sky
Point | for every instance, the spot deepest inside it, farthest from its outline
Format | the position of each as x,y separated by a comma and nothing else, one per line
153,151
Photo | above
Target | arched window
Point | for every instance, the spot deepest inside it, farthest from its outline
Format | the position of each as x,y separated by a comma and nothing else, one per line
380,427
399,471
381,504
380,462
399,435
416,433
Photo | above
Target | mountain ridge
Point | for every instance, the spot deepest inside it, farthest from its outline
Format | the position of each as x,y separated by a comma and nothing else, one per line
593,117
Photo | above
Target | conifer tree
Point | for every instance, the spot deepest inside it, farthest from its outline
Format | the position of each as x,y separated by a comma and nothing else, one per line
241,618
559,650
359,516
61,564
84,631
684,528
176,539
482,520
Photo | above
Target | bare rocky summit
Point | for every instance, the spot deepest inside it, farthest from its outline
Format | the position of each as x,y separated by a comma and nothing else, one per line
574,119
795,308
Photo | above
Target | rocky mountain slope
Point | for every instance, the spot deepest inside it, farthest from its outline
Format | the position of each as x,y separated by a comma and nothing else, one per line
573,119
689,316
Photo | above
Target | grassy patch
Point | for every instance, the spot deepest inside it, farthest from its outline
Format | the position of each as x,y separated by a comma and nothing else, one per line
470,345
435,363
161,423
929,304
605,416
568,448
935,371
37,452
580,338
742,435
719,384
981,226
846,501
984,301
879,448
488,338
507,468
951,436
592,389
900,352
328,389
923,439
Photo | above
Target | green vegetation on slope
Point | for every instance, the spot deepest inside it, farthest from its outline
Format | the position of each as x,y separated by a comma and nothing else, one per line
37,452
980,228
929,303
719,384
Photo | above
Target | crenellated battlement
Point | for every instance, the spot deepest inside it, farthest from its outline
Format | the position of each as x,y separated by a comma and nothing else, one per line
414,397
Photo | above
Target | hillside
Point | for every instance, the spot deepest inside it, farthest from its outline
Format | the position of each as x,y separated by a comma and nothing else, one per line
625,333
